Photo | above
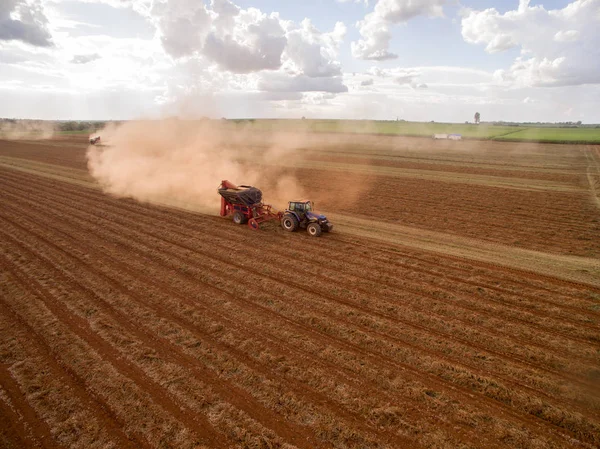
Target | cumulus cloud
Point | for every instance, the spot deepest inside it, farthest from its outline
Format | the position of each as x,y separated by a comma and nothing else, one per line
314,53
366,2
282,82
309,62
84,59
558,47
402,76
238,40
24,20
408,76
375,27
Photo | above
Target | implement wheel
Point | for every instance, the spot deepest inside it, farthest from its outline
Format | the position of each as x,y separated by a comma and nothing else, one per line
314,229
239,218
253,224
289,222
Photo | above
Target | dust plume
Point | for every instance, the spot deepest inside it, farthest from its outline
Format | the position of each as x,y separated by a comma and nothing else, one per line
181,163
26,129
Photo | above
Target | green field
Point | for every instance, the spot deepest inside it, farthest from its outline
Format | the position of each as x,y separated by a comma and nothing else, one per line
579,135
484,131
401,128
379,127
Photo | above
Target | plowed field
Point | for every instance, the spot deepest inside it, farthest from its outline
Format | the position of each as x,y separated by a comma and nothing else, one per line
459,309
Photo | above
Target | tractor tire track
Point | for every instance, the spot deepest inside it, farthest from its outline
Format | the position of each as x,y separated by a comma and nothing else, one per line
415,291
77,385
407,367
236,397
19,418
357,423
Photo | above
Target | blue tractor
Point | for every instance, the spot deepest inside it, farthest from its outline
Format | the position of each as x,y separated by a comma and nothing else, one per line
300,214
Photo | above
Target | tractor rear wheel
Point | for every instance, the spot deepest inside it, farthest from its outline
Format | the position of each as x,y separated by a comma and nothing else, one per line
289,222
239,218
314,229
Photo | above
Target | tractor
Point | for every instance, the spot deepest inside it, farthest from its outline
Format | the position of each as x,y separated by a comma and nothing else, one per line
244,204
300,214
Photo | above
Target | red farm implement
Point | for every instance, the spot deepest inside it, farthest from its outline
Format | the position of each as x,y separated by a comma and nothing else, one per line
245,204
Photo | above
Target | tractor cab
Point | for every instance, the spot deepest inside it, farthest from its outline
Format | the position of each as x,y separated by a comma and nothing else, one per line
301,207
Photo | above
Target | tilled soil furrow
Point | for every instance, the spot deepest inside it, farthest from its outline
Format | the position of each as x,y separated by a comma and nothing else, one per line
563,317
117,219
226,391
540,282
571,176
502,273
192,222
80,328
424,209
21,426
432,378
75,384
438,425
356,424
551,213
512,224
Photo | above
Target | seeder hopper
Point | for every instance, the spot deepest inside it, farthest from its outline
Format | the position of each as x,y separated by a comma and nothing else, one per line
245,204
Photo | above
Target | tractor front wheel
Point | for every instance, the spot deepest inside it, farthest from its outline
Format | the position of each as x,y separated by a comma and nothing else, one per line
289,223
314,229
239,218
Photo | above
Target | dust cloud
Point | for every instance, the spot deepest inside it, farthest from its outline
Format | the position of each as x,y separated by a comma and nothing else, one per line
181,163
26,130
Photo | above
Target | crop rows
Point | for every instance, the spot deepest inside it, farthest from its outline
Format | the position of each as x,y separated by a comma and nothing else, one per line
180,330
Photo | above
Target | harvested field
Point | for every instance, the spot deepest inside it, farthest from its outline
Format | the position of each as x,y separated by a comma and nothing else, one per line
461,309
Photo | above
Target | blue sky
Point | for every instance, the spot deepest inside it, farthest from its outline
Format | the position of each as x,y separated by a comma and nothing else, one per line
440,60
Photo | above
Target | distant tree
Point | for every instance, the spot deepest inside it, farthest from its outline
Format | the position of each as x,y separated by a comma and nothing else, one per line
477,118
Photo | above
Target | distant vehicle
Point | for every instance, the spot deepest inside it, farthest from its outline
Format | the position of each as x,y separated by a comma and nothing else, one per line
95,140
447,137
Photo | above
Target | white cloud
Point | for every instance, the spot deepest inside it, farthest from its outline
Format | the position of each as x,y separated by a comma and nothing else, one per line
309,62
238,40
366,2
558,47
24,20
286,57
282,82
84,59
567,36
247,40
314,53
375,27
407,77
255,43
